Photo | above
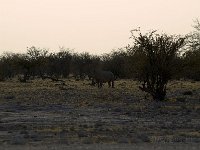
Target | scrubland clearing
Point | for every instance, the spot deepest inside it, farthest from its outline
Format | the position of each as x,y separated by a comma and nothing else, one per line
42,112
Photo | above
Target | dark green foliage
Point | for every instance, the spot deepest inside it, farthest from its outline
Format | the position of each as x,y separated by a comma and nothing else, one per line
36,58
6,67
83,64
157,54
115,62
58,64
191,58
191,61
40,63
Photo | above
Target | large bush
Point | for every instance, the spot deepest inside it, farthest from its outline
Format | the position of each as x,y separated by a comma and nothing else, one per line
157,53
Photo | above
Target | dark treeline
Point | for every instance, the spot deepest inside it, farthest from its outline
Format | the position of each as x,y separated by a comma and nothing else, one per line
37,62
152,59
124,63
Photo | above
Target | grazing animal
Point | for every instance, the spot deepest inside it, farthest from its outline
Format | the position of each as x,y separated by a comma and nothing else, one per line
101,77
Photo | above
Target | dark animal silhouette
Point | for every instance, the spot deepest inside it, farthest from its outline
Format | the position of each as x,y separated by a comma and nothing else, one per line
101,77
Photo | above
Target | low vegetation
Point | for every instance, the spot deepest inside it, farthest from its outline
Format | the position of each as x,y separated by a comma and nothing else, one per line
153,59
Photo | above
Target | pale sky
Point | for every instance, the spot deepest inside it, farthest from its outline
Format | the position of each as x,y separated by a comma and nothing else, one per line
95,26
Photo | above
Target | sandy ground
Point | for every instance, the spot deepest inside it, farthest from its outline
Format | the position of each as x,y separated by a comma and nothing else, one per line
107,147
48,115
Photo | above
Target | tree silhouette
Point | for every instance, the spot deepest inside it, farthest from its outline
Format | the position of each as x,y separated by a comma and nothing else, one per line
157,53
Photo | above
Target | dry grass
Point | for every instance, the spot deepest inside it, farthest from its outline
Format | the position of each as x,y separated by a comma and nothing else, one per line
76,112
